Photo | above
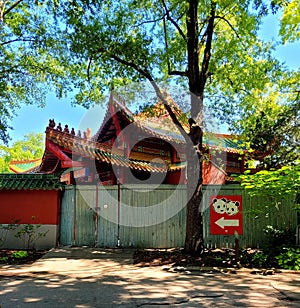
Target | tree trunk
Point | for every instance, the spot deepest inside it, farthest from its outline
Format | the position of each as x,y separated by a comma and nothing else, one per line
194,242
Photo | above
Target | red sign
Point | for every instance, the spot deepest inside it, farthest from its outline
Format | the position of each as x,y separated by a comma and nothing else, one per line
226,215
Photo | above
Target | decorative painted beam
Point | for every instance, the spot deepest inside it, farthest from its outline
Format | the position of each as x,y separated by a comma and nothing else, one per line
66,161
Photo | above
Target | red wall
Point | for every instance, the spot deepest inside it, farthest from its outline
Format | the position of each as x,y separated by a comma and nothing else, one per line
212,175
175,177
22,205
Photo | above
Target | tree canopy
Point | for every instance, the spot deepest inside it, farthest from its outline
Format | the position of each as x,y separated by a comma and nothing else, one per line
31,59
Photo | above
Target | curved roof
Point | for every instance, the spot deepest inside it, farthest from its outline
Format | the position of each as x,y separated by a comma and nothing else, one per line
94,150
24,166
156,122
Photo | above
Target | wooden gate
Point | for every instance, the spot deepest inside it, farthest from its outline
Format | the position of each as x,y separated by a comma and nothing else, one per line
137,216
145,216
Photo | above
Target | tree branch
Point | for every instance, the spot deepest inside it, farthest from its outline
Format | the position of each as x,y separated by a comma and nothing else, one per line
171,72
88,68
161,95
229,24
178,73
17,40
149,21
173,21
207,50
133,65
5,12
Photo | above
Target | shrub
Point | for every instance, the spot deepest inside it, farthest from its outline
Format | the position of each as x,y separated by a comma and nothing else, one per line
289,259
20,254
30,233
259,259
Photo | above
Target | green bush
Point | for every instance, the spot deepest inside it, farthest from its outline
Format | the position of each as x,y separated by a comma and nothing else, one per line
279,237
21,254
4,259
259,259
289,259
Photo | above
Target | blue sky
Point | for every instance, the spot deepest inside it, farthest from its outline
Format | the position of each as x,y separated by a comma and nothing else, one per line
33,119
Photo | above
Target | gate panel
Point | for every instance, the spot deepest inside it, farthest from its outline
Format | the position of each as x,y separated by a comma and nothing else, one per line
85,216
66,228
107,233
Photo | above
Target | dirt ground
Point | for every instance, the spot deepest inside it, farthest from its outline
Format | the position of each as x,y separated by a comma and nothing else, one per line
171,257
210,258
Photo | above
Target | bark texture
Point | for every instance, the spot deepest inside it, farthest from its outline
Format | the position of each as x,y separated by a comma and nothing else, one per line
198,72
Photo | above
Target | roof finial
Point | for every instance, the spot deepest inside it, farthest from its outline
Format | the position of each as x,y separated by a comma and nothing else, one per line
58,127
51,123
66,129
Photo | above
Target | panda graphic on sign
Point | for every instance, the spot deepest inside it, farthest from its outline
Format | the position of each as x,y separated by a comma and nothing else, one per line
229,207
226,214
232,207
219,205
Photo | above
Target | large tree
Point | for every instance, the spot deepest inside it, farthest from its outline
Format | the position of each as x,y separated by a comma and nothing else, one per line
30,58
211,47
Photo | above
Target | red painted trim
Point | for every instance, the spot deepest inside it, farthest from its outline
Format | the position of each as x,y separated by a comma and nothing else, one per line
115,119
71,163
173,155
112,177
66,161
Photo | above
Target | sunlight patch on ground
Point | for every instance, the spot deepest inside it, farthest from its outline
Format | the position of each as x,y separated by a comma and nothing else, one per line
32,299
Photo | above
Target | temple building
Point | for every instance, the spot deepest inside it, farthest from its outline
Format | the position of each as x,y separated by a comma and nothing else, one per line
143,148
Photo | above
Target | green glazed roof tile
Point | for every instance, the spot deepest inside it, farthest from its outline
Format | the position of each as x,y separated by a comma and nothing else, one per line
30,181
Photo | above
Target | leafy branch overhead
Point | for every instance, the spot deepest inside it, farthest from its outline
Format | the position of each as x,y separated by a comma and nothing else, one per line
30,58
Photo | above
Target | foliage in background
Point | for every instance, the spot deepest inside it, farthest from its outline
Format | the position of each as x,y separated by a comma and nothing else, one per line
46,45
32,146
121,41
275,183
272,129
273,187
31,58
